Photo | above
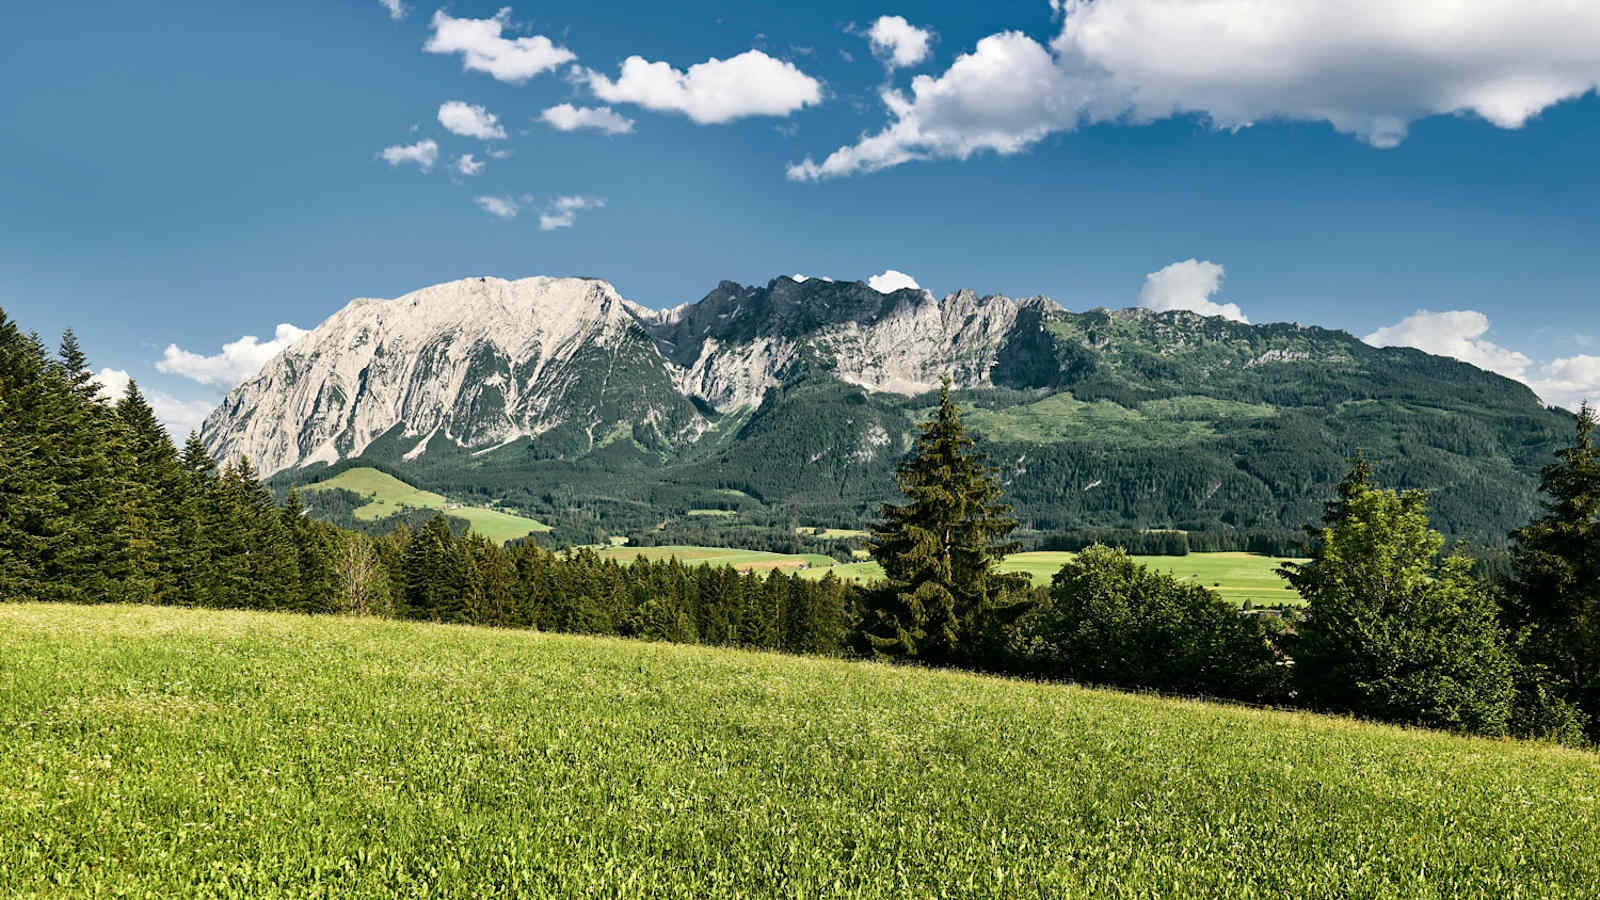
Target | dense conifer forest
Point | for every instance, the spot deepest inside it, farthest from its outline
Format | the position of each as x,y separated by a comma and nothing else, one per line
98,505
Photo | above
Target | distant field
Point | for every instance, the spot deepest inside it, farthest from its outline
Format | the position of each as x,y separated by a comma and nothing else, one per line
387,495
739,559
833,533
158,752
1236,577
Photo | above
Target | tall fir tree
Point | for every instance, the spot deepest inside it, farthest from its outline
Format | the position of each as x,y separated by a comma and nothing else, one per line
436,575
1553,601
198,531
316,546
30,494
87,560
148,497
945,599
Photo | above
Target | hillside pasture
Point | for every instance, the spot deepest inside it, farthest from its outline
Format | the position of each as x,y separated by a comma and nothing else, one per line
164,752
743,560
387,495
1236,577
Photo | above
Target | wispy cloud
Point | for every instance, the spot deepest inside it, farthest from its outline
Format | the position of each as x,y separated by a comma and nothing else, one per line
423,153
463,118
563,211
500,207
566,117
483,48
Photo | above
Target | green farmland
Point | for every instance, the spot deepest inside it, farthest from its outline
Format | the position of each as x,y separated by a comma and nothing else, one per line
1236,577
387,495
161,752
739,559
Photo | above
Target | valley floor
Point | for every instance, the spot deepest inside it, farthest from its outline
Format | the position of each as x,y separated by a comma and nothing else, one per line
168,753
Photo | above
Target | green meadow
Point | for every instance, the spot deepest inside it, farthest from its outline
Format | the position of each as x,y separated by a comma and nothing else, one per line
387,495
727,556
1236,577
157,752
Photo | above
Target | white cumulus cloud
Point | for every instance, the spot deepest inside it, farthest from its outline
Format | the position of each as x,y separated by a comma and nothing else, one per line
397,10
470,121
1570,382
712,92
1004,96
423,153
238,360
563,211
179,417
1369,68
502,207
484,49
566,117
1459,334
465,164
890,280
1188,285
898,42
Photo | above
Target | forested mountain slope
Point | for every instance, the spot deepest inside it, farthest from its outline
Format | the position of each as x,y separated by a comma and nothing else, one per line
793,402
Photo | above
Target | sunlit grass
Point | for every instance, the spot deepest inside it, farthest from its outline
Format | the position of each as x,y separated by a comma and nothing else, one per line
387,495
152,752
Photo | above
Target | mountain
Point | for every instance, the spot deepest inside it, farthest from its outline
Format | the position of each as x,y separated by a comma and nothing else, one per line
792,402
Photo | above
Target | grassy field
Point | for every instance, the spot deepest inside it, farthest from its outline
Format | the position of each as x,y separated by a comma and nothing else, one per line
739,559
152,752
1236,577
832,533
387,495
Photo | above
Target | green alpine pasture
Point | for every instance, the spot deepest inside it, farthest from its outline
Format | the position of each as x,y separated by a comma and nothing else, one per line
1236,577
158,752
387,495
727,556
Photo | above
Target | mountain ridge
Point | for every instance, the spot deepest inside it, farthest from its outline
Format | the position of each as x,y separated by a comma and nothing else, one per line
806,392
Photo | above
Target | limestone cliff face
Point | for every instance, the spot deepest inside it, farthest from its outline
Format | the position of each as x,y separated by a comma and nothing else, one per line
482,362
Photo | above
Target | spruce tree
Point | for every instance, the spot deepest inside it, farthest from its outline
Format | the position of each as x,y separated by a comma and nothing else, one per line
945,599
316,545
85,561
147,502
436,575
198,532
1553,601
30,493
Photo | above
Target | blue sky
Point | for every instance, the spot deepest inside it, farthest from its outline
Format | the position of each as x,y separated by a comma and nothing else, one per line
186,174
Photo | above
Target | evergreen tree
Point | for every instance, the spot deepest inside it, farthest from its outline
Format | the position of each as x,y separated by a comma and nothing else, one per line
315,548
30,495
199,512
148,502
86,560
1392,632
1553,601
945,599
436,575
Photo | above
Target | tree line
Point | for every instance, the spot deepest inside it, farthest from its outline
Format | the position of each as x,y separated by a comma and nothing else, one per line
98,505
